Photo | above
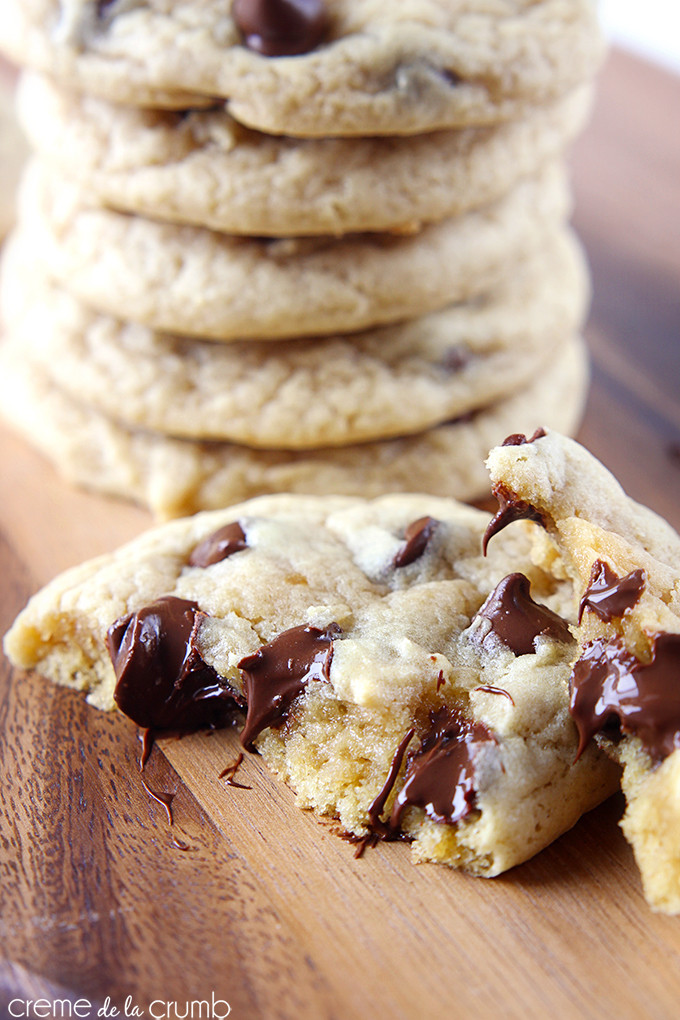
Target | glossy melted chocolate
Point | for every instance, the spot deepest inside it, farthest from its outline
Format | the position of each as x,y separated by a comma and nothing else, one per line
517,620
218,546
275,675
416,537
510,509
440,776
162,681
609,596
279,28
609,685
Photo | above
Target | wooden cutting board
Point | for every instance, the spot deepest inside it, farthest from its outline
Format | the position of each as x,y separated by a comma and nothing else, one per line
251,900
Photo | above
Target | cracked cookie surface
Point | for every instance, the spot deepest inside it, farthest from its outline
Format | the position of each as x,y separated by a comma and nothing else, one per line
380,68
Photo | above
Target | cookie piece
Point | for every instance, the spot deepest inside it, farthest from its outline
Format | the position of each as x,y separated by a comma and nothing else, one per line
383,641
625,564
193,281
201,167
386,382
391,68
175,477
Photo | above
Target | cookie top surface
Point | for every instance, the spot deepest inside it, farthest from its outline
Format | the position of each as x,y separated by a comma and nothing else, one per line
204,168
376,69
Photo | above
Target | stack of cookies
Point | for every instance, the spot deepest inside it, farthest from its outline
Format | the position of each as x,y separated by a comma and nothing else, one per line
273,245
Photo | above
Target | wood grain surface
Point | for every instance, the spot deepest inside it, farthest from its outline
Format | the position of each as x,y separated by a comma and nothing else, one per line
248,898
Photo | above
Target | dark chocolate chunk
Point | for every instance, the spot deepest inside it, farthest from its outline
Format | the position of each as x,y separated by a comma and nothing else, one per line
280,28
609,686
103,6
162,681
510,509
440,776
276,674
416,537
218,546
517,620
608,595
518,439
378,827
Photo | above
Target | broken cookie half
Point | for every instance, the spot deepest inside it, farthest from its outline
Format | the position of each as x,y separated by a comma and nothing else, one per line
398,679
624,563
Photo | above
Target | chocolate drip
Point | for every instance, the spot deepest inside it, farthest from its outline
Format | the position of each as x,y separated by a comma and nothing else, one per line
440,776
610,685
275,675
608,595
162,681
378,827
510,509
416,537
279,28
516,620
218,546
518,439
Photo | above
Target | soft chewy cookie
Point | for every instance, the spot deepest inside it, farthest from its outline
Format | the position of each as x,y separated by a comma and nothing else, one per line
391,381
174,476
624,561
194,281
190,280
396,678
204,168
355,67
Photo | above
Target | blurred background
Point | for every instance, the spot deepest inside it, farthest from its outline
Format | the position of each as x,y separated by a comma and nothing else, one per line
650,29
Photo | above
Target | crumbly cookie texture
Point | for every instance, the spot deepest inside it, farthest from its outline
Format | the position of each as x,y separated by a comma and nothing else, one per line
175,477
202,167
379,68
193,281
624,561
369,639
391,381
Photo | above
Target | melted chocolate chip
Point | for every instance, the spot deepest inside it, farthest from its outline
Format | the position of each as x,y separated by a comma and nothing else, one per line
440,776
378,827
518,439
510,509
416,537
608,595
516,620
275,675
610,685
162,681
103,6
218,546
280,28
